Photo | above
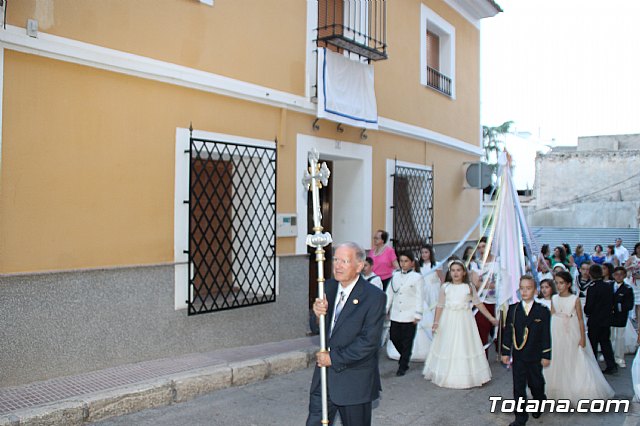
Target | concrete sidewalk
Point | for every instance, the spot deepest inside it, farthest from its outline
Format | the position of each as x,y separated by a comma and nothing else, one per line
98,395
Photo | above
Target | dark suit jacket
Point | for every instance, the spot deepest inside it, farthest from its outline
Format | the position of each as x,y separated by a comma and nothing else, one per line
599,304
538,342
623,302
353,377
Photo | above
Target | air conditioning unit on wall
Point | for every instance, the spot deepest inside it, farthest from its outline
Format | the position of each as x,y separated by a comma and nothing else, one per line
477,175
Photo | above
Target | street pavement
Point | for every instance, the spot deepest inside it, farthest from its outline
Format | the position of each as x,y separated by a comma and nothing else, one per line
409,400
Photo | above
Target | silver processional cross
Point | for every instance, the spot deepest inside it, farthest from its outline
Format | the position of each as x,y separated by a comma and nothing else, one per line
314,178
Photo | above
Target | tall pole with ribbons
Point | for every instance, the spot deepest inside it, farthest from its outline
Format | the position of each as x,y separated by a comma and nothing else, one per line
315,177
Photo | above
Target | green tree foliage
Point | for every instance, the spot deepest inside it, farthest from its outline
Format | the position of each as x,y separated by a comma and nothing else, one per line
494,139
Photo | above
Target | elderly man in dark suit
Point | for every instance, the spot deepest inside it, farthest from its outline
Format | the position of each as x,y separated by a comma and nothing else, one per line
355,313
599,311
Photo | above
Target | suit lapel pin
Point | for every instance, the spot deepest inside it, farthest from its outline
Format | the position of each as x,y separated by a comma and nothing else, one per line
356,301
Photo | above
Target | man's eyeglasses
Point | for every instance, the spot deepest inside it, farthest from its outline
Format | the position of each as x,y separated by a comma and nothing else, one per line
342,261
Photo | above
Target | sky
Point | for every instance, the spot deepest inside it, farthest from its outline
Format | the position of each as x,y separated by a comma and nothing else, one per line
560,69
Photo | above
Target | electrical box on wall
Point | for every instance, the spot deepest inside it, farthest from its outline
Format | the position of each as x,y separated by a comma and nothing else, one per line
286,225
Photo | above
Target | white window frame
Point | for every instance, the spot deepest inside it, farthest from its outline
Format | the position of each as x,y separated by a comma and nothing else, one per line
353,168
431,21
311,60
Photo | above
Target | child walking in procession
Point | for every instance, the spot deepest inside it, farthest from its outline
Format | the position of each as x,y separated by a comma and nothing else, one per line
457,359
526,345
404,307
623,303
547,290
583,281
633,267
574,373
369,275
485,277
598,309
430,292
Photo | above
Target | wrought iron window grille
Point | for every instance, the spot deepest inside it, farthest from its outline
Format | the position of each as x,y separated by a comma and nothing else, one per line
412,208
438,81
355,26
232,225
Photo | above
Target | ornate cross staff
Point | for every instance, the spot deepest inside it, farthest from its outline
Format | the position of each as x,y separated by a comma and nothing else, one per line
314,178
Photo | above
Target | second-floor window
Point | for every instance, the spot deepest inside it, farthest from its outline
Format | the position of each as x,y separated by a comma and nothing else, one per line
354,26
433,58
330,22
437,58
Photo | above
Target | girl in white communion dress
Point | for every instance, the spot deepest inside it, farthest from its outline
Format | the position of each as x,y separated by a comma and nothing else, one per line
457,359
574,373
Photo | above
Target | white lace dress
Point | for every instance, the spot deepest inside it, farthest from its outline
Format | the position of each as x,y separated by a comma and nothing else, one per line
457,359
574,372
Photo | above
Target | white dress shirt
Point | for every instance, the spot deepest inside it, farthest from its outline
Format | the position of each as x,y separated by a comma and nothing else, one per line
621,253
347,291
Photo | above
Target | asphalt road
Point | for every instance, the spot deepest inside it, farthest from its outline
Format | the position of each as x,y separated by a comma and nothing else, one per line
408,400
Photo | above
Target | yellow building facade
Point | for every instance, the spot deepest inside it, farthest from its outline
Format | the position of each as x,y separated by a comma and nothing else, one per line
97,101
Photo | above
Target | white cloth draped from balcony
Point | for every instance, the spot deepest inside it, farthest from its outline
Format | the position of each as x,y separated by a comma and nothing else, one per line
346,91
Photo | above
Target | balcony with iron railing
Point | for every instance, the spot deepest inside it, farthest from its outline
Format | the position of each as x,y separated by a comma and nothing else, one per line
355,26
438,81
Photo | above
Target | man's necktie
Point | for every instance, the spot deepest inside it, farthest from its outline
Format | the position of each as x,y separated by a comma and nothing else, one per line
339,307
527,308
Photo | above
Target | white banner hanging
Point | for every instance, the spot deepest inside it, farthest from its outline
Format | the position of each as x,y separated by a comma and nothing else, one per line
346,91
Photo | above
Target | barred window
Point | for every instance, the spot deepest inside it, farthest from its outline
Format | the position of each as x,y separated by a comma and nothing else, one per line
412,208
438,52
232,215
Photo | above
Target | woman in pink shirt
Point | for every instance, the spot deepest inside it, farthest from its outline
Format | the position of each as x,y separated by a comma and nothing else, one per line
384,257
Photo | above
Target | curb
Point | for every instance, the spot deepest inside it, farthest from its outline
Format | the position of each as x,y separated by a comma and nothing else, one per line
167,390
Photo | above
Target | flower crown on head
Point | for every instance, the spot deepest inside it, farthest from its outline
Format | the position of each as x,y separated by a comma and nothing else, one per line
458,261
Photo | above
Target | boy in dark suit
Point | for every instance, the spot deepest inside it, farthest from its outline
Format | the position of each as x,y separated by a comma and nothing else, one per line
623,302
599,311
527,341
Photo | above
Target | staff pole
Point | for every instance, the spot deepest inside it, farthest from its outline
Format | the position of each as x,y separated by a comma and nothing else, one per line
315,177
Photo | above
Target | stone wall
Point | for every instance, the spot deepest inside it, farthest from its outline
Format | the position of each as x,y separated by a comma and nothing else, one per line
590,215
59,324
593,188
609,143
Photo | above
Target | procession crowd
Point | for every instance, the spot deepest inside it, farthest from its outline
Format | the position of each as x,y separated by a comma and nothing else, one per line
446,317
